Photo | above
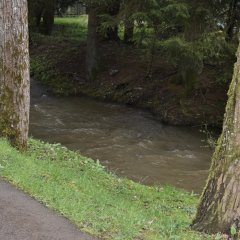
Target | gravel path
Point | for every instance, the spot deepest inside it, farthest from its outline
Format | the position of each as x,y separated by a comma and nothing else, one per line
22,218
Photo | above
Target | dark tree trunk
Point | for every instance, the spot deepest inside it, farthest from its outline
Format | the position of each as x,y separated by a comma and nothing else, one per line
48,16
231,21
92,45
38,18
219,209
14,72
128,31
112,32
35,9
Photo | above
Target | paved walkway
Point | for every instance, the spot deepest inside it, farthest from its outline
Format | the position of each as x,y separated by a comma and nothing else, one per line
22,218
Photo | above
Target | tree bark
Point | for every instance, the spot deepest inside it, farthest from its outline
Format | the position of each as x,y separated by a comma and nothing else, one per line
219,209
92,45
14,72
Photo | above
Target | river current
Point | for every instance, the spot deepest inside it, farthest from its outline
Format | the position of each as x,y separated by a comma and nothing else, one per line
129,142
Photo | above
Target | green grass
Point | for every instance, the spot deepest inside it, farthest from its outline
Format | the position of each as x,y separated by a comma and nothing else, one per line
97,201
74,28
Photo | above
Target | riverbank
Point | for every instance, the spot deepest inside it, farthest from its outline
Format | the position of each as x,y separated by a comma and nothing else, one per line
58,61
98,202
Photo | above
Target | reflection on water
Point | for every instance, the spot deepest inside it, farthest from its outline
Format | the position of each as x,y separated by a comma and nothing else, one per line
129,142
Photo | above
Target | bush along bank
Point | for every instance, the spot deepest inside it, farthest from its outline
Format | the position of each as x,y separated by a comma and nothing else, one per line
97,201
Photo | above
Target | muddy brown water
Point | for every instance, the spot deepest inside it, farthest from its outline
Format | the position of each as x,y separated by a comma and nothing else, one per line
127,141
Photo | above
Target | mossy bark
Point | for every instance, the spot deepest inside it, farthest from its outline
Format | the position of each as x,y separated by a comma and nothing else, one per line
14,72
219,208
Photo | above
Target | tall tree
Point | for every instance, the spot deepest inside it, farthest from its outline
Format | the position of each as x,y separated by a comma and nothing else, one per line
219,210
92,44
227,16
127,10
35,8
14,72
42,11
48,16
113,10
232,18
128,30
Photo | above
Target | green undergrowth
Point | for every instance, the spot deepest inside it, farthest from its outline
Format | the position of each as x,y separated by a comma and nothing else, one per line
98,202
43,69
68,34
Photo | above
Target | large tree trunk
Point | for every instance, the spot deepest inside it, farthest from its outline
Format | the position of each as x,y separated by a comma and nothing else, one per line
219,209
92,45
14,72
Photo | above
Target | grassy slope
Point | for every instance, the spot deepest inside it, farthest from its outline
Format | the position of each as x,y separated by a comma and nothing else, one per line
98,202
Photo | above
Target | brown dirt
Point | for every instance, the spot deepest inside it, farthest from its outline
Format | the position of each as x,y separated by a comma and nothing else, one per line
23,218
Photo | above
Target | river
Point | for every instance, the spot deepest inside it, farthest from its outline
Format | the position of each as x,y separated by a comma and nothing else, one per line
129,142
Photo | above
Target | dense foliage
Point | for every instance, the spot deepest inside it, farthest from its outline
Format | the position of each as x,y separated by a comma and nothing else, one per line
188,34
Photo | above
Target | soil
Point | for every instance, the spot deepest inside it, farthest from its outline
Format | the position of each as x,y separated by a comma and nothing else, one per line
23,218
124,78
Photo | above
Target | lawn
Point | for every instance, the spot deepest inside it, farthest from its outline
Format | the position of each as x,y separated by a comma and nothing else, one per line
74,28
98,202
